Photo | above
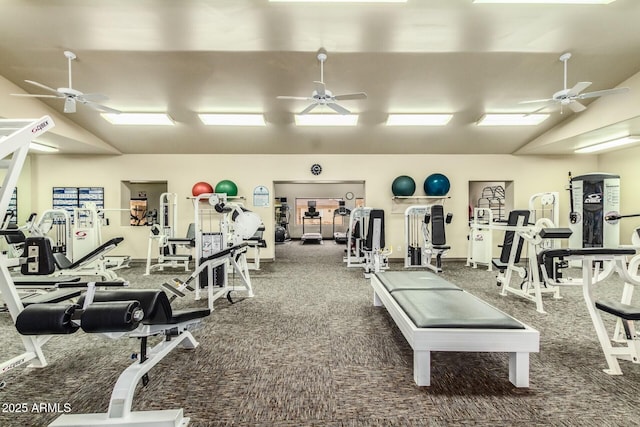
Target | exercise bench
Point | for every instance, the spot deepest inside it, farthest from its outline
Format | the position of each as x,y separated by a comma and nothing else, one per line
436,315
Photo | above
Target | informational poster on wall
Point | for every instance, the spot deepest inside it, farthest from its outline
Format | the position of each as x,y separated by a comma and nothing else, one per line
65,198
261,197
70,198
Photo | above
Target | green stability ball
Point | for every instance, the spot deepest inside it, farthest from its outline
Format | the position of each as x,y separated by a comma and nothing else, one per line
403,186
228,187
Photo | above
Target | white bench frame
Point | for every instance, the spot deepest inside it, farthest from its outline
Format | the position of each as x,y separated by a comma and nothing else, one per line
517,342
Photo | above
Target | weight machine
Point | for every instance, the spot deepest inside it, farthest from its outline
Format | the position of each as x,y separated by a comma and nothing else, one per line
366,241
221,227
15,137
342,212
425,237
163,233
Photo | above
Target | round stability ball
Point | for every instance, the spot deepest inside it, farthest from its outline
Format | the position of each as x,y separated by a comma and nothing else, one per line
403,186
228,187
201,188
436,184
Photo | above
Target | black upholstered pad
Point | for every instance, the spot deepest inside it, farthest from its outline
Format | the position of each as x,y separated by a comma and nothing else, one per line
403,280
625,311
448,309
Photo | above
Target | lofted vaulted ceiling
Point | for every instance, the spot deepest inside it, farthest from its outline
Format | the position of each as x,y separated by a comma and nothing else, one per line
430,56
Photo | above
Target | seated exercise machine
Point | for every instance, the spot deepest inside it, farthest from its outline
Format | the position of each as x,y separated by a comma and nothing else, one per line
376,255
597,265
219,253
517,232
366,241
93,263
163,233
137,313
342,212
311,214
425,236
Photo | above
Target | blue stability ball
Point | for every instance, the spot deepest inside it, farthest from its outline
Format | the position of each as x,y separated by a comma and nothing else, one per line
436,184
403,186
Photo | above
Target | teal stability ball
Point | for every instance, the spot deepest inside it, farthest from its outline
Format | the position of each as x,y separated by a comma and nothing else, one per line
436,184
403,186
228,187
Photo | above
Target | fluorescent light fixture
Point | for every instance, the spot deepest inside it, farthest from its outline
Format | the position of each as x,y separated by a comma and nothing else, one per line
609,144
326,119
546,1
512,119
232,119
41,147
157,119
418,119
338,1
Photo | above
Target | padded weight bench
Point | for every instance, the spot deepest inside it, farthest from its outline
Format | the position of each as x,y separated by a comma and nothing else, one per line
85,266
435,315
113,313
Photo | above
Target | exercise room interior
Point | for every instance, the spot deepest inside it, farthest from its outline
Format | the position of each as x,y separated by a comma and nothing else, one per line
450,241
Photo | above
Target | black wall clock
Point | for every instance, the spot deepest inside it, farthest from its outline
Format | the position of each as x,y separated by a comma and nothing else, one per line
316,169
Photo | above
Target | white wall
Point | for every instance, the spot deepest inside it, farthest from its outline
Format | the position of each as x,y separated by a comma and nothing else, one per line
625,163
530,174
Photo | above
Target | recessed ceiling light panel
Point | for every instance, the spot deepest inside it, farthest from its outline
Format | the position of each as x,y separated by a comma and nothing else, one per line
512,119
545,1
232,119
631,139
146,119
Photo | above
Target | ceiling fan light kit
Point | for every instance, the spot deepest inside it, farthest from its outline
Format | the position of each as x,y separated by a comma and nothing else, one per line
322,96
570,97
70,95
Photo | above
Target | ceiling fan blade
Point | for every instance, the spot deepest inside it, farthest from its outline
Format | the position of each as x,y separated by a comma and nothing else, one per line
576,107
308,109
348,96
536,101
338,108
603,92
99,107
34,96
297,98
320,88
69,105
579,87
92,97
45,87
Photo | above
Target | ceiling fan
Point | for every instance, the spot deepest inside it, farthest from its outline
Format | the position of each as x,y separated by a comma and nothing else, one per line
71,96
571,97
323,96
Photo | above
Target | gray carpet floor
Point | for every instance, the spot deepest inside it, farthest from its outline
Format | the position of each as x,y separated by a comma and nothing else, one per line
311,350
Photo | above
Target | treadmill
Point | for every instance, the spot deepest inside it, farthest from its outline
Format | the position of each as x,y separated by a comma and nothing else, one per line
342,211
311,215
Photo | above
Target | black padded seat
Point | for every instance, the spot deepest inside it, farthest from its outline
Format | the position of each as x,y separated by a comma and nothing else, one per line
154,304
448,309
413,280
624,311
441,247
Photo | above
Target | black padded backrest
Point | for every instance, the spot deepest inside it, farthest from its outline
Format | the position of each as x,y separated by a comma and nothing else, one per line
438,236
375,230
154,303
514,217
14,235
40,247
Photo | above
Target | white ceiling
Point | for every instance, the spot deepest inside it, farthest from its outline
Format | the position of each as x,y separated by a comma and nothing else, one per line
433,56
